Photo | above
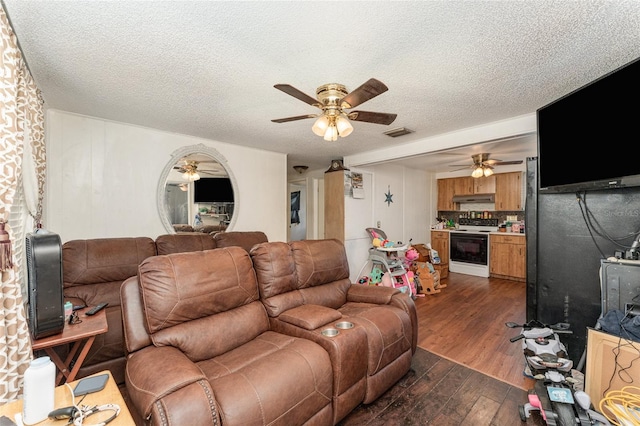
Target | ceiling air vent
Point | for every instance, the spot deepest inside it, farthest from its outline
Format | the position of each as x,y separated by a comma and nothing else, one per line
398,131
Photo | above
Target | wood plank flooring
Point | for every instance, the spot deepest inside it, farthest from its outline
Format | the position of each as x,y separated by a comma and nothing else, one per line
465,323
467,372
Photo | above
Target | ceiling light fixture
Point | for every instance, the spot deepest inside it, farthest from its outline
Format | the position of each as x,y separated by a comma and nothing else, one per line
190,171
477,172
482,170
300,169
331,125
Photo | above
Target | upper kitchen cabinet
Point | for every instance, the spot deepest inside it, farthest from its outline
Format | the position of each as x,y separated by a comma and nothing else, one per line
445,195
509,191
484,185
463,185
449,187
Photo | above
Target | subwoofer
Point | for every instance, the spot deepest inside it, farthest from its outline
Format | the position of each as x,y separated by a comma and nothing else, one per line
45,313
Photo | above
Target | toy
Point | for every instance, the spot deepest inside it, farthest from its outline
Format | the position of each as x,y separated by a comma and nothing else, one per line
376,276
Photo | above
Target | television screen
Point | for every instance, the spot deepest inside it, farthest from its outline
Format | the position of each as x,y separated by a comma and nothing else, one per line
585,138
213,190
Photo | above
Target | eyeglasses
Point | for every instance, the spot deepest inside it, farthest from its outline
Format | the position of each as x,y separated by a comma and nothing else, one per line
74,319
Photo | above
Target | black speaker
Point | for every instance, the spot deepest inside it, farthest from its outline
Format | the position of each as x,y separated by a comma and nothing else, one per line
44,269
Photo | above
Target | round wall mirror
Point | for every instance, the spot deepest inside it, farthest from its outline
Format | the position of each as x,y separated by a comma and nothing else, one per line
197,191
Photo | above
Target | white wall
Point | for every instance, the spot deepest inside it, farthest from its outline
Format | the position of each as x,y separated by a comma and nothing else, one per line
408,217
102,178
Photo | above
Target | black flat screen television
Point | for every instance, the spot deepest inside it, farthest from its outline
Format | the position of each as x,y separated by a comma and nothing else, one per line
587,138
213,190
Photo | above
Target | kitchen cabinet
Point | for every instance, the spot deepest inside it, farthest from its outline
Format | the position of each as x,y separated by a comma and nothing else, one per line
463,185
445,195
440,243
508,194
508,256
484,185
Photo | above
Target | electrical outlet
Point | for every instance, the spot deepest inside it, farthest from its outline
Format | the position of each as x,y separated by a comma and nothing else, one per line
379,224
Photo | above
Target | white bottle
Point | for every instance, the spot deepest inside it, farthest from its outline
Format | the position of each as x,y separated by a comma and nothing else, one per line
38,392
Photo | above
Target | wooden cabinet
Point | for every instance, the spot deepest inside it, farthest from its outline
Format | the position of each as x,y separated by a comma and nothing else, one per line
484,185
445,195
509,191
463,185
334,205
507,188
508,256
440,242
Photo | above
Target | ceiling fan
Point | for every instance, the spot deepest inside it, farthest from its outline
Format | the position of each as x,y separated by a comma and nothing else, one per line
483,166
334,99
191,172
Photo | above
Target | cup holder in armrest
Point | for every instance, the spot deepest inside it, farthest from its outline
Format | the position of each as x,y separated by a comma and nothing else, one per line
330,332
344,325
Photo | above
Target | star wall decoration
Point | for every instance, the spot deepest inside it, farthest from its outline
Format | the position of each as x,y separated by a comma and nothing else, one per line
389,196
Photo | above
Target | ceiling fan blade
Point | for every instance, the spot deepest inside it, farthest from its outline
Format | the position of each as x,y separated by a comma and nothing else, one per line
372,117
461,165
290,90
504,163
368,90
297,117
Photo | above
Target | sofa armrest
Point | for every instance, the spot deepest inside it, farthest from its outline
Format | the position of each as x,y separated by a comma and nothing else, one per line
310,317
162,380
406,303
371,294
387,296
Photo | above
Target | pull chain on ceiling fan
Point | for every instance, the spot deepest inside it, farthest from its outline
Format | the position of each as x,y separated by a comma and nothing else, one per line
333,99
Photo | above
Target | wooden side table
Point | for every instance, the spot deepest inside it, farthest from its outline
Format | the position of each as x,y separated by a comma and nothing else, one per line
82,335
62,394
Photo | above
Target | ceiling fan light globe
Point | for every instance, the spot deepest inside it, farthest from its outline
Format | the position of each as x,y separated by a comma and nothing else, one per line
477,172
488,171
331,134
321,125
344,126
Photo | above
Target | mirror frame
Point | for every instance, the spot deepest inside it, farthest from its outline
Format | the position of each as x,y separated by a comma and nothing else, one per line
178,154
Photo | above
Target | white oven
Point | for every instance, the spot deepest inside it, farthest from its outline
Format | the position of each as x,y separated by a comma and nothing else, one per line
469,247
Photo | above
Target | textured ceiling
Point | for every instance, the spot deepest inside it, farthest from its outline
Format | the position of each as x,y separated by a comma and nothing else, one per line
207,68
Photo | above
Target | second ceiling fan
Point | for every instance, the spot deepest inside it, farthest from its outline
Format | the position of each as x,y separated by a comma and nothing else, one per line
483,166
334,99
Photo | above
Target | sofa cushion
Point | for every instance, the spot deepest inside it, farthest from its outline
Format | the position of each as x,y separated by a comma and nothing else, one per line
183,300
244,239
93,271
272,379
182,243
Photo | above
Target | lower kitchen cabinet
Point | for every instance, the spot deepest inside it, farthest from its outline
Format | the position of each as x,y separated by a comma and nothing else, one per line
507,256
440,243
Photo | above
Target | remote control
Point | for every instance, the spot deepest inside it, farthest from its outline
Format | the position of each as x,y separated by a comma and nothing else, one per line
95,309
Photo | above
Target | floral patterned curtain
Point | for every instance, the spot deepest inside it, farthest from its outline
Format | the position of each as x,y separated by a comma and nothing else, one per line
21,117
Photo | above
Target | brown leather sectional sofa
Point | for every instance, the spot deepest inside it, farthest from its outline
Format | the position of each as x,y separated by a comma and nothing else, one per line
232,337
94,270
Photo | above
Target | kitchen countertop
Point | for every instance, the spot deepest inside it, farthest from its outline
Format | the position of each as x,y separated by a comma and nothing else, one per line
490,233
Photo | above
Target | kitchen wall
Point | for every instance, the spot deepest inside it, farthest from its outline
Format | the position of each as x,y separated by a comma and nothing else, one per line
102,179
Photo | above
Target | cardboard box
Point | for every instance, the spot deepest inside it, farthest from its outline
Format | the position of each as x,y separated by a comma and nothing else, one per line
423,252
443,268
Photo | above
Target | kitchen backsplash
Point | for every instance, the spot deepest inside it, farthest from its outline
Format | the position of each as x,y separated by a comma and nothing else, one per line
500,215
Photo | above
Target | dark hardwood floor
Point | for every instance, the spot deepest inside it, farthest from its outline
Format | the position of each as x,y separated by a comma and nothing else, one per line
466,371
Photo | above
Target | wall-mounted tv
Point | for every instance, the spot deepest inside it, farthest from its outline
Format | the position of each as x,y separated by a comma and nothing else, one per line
587,138
213,190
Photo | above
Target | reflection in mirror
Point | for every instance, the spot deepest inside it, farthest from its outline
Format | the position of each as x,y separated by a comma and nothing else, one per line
196,191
